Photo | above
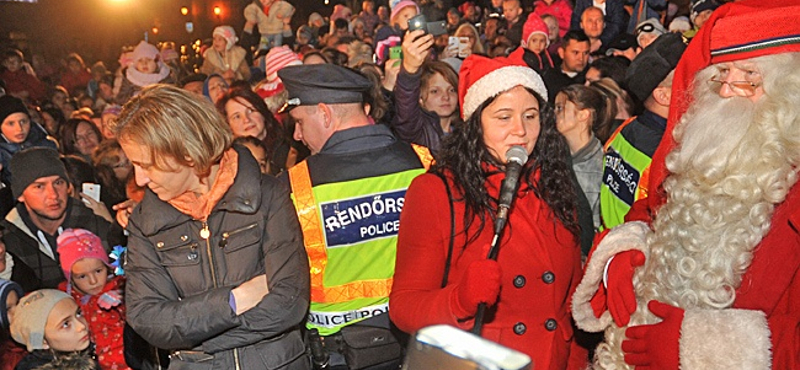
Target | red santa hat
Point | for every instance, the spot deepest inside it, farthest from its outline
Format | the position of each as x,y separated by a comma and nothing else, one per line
482,78
735,31
534,24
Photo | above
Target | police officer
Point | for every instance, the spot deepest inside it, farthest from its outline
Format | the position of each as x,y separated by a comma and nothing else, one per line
348,195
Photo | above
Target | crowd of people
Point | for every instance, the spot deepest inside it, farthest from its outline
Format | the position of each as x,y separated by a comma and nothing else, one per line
308,198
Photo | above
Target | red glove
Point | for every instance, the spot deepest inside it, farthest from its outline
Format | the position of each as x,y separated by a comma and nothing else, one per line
480,284
655,347
598,301
621,298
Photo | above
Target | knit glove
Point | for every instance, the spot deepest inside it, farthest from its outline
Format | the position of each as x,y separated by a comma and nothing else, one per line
621,298
480,284
656,346
110,299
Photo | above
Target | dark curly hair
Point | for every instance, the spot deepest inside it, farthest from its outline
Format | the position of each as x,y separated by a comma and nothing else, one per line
464,151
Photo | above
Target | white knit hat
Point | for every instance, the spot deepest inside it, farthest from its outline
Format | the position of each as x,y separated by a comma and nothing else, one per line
227,33
482,78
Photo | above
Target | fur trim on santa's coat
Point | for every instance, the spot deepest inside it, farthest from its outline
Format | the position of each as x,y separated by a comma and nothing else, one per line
625,237
725,339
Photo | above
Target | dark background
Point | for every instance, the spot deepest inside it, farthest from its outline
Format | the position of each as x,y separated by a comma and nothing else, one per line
98,29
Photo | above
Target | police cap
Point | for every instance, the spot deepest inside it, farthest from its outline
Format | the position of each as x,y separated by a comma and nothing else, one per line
322,83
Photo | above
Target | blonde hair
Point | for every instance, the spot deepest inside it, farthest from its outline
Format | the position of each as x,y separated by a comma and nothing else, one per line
477,46
175,123
721,197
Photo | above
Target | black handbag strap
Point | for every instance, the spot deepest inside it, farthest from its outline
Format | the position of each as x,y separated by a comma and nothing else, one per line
452,231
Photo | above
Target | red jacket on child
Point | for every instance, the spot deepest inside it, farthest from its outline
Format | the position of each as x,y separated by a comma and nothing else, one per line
105,325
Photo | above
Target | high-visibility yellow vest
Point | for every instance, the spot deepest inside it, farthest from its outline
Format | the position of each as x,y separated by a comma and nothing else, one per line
626,177
350,234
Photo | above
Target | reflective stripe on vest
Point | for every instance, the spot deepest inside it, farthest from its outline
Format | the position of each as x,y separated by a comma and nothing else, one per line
344,211
626,172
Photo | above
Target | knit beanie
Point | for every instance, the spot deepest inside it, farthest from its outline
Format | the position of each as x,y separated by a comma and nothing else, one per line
649,26
227,33
6,287
482,78
33,163
77,244
30,317
279,57
534,24
10,105
144,50
396,7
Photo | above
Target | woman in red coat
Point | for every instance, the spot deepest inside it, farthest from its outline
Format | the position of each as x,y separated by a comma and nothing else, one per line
538,264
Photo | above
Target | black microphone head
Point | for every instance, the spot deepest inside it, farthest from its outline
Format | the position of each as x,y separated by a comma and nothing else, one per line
517,154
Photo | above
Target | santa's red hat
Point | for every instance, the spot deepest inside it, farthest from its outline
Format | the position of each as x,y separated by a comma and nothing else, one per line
482,78
735,31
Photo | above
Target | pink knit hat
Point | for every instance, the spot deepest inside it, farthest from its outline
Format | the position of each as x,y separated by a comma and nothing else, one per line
77,244
534,24
227,33
144,50
279,57
400,5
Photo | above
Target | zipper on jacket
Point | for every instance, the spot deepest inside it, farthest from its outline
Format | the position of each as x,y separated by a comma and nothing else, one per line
236,358
224,242
206,234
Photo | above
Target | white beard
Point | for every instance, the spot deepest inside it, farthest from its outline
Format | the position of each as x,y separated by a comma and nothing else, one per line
733,164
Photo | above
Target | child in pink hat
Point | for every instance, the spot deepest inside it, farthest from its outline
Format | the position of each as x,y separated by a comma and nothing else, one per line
85,264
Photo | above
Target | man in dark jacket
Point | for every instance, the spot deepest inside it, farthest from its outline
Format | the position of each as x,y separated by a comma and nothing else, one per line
355,182
44,210
574,53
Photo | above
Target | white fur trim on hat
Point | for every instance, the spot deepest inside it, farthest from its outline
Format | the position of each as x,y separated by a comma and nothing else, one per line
499,80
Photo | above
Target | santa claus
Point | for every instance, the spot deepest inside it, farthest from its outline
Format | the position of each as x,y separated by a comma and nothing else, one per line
704,275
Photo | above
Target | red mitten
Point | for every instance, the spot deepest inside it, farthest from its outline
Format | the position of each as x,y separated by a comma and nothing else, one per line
621,297
479,284
655,347
599,301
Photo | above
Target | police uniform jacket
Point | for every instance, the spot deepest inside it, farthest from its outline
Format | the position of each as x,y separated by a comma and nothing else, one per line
539,258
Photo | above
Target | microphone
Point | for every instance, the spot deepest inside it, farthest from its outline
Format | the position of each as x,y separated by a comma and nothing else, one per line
516,157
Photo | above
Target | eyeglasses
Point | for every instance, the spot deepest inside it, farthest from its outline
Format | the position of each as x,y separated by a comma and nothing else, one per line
743,88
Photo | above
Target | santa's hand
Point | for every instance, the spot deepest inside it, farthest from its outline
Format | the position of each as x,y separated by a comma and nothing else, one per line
621,298
655,347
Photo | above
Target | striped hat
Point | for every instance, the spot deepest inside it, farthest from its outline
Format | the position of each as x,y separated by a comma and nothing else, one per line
279,57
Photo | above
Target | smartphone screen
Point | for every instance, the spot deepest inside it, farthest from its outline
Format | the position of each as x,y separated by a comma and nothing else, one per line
463,47
91,190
